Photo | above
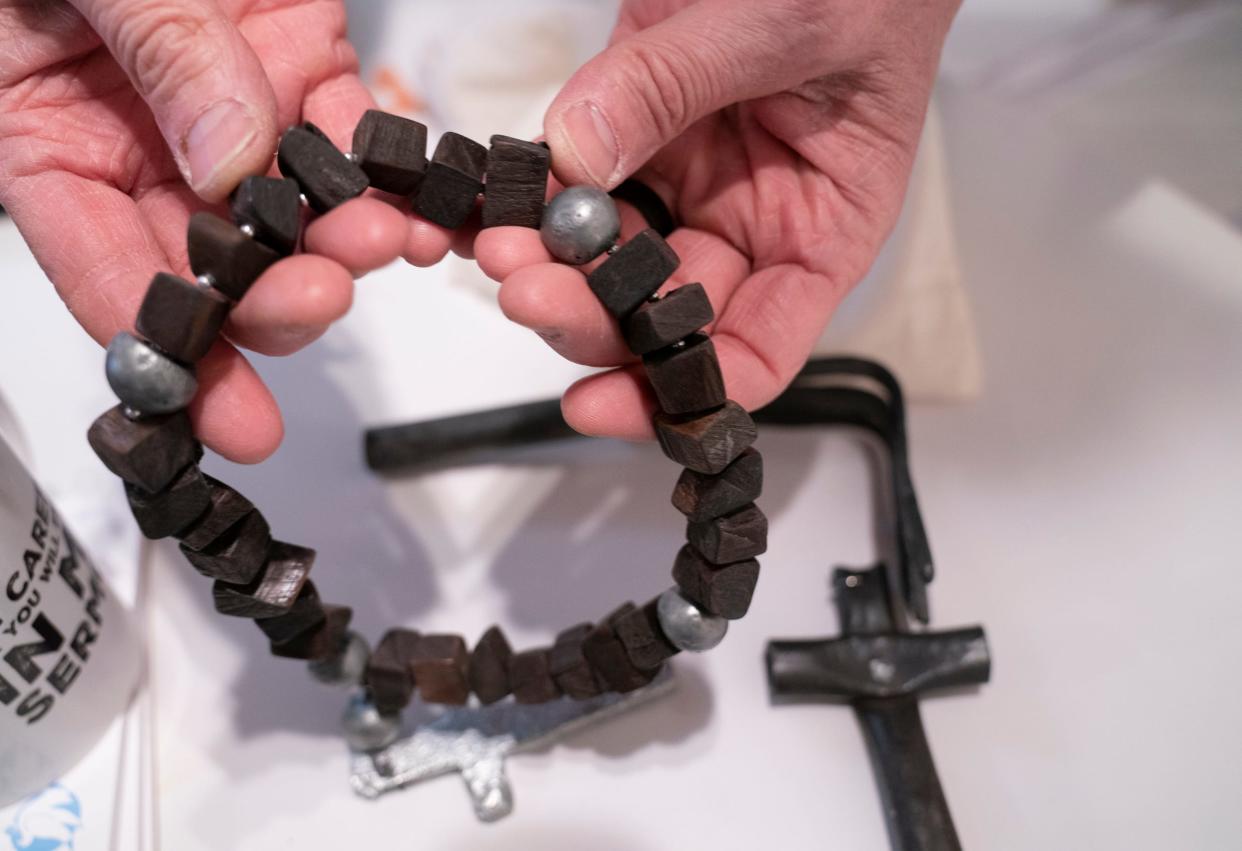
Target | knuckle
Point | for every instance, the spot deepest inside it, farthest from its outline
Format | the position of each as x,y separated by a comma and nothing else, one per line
162,45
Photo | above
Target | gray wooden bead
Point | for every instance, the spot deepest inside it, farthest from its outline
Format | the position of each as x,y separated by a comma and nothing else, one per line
707,443
306,613
663,321
326,176
609,658
439,664
686,377
392,151
225,509
631,275
739,535
724,590
569,665
180,318
273,591
320,641
580,224
489,666
701,497
225,255
174,508
145,379
517,181
148,452
238,555
530,677
453,182
639,630
388,677
271,207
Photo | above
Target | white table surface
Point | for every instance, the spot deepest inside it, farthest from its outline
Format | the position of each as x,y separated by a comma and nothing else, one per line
1085,510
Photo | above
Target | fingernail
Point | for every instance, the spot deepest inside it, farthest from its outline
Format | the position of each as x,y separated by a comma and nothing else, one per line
218,136
592,140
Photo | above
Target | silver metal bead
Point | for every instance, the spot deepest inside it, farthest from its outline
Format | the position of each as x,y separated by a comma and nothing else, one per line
145,379
580,224
365,728
346,666
247,229
688,626
206,282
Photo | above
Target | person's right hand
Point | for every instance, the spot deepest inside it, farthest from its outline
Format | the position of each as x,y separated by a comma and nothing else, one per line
120,118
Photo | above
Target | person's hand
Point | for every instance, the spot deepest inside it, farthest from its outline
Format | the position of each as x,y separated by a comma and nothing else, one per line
120,118
780,132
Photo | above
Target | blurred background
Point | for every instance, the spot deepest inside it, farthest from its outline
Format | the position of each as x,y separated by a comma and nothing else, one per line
1063,299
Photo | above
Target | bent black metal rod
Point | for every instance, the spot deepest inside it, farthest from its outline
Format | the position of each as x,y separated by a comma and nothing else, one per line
812,399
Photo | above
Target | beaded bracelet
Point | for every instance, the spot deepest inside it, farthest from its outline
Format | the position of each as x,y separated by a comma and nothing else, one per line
147,439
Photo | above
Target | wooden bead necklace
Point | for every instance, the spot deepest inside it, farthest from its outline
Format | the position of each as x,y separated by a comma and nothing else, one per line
148,442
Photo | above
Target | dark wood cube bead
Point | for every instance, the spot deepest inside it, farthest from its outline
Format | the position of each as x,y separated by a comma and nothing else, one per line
707,443
325,175
225,508
239,555
733,537
388,675
231,259
530,677
275,589
305,613
632,275
171,510
392,151
439,665
272,207
181,318
489,666
453,182
148,452
320,641
644,640
517,182
610,659
570,668
701,497
663,321
686,376
724,590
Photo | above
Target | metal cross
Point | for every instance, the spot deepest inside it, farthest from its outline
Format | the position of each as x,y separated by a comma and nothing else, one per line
881,669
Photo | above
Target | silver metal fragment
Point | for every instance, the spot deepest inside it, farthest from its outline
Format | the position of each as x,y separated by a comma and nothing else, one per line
475,741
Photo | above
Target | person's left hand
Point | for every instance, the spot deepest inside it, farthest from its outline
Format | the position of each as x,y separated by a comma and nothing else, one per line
780,132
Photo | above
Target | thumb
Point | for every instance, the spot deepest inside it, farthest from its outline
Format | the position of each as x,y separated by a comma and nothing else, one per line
648,87
210,96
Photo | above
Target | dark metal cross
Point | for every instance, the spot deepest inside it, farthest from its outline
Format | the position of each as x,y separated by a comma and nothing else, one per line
881,669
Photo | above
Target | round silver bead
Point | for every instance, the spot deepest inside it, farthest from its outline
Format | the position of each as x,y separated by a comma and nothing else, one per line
346,666
580,224
688,626
365,728
145,379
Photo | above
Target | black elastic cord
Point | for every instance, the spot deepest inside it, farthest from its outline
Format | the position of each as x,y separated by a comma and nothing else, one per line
649,205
